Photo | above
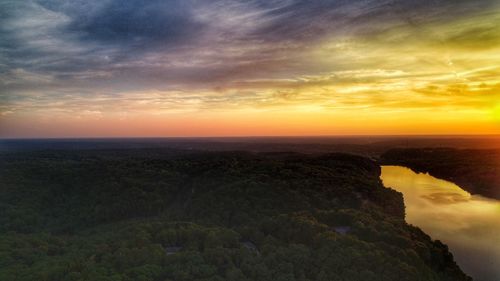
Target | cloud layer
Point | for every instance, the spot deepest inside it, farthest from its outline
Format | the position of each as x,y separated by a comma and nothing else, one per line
109,57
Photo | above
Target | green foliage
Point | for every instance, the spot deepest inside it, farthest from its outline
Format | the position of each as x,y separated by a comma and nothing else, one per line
117,215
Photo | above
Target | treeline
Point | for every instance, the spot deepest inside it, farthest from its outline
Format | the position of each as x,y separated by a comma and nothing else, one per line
170,215
475,170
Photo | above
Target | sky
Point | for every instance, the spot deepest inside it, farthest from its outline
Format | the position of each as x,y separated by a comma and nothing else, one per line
160,68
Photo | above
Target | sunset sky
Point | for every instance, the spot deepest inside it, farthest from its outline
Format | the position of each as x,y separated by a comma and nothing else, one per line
97,68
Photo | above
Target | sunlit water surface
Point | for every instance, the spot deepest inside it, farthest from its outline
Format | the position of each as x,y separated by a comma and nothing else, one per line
468,224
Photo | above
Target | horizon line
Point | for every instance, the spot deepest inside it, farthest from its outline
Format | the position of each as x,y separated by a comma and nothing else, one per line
256,136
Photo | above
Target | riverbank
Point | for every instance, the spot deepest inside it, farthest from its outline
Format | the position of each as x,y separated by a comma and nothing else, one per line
469,225
475,170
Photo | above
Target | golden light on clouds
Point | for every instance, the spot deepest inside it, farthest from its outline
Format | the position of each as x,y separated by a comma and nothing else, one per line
429,70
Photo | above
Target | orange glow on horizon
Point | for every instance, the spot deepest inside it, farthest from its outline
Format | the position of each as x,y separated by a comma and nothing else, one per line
254,123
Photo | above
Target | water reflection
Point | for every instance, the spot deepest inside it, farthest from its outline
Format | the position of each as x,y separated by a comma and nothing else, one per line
469,224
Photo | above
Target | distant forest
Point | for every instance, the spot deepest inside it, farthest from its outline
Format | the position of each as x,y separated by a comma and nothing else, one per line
164,214
475,170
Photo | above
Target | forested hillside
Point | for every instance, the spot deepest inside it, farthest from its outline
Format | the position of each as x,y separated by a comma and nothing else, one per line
475,170
159,214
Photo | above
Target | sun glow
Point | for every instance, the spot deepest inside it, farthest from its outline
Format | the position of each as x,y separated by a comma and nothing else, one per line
496,113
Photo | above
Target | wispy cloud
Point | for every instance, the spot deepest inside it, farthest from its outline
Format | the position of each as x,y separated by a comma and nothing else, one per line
94,58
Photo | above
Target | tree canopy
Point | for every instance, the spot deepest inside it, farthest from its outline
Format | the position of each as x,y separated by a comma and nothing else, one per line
158,215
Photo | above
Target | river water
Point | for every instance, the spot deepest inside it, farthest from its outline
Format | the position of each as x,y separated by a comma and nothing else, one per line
468,224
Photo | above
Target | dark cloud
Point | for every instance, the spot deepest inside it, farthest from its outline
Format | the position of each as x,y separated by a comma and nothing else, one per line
131,22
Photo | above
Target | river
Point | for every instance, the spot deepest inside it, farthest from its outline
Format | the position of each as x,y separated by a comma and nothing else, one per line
468,224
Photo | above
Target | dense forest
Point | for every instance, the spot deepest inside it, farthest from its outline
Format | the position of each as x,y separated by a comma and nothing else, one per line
162,214
475,170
